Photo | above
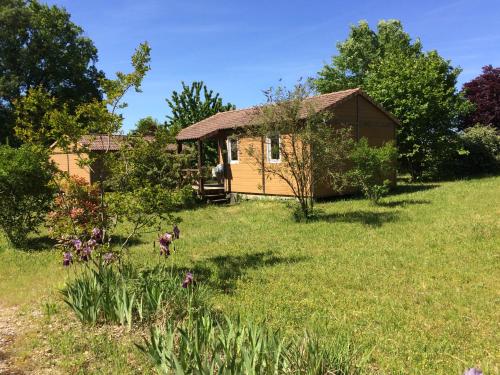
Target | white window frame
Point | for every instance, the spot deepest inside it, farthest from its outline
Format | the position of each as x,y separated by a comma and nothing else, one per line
269,150
229,153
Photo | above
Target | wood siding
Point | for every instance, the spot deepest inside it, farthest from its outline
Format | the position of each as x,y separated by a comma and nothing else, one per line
68,162
366,121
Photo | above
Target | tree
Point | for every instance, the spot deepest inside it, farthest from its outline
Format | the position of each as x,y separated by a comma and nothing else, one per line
418,87
26,191
41,47
195,103
484,92
310,148
373,168
146,125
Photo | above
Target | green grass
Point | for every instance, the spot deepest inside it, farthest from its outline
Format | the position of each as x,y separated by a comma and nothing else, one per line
416,279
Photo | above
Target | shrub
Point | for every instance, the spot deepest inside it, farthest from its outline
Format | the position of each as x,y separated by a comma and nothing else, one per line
77,210
373,168
205,346
26,191
482,146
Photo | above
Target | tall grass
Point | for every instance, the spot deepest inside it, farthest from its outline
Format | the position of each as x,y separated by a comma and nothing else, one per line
204,345
106,294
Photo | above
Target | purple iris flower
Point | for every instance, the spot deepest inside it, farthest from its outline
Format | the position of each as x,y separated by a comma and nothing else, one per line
67,259
176,232
165,242
473,371
85,254
97,234
77,244
108,258
188,280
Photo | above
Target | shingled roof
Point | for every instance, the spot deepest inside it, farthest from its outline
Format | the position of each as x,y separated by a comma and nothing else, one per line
245,117
113,142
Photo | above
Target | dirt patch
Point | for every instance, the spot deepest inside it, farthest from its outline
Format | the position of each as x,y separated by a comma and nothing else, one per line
9,329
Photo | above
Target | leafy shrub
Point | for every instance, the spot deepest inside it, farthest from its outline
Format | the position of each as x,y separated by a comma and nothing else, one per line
26,191
482,146
373,168
77,210
205,346
106,294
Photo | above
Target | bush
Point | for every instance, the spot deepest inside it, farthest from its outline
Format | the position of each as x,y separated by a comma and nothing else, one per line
205,346
482,146
77,210
373,168
123,296
26,191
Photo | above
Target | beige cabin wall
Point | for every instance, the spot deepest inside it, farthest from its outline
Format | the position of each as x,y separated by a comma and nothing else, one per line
69,163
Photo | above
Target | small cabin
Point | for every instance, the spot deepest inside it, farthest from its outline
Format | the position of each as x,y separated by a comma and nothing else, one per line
70,162
242,175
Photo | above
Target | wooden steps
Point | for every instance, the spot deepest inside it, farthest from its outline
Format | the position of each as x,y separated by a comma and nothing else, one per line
213,193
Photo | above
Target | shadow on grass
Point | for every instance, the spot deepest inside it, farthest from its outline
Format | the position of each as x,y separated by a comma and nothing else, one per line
223,271
38,243
403,202
411,188
373,219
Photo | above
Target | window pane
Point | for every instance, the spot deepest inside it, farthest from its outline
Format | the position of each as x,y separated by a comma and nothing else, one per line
233,143
275,147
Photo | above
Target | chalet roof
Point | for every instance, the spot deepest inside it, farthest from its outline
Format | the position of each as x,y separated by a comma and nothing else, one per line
244,117
113,142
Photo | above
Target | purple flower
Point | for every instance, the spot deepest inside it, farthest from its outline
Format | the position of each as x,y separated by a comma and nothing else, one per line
85,254
188,280
91,243
165,242
108,258
77,244
97,234
473,371
176,232
67,259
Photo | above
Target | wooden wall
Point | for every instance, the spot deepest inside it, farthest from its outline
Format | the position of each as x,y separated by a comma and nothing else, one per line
69,163
245,177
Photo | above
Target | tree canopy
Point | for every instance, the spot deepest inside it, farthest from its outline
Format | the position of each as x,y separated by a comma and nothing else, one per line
484,92
41,47
418,87
146,125
194,103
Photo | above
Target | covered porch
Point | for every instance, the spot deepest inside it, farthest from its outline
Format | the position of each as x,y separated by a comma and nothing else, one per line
212,189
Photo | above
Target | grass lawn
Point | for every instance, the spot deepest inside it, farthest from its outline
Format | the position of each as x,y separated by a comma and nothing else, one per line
416,279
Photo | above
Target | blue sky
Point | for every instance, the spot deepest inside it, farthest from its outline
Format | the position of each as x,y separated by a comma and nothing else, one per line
240,48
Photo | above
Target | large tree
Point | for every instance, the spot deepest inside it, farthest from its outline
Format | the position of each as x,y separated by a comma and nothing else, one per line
484,92
418,87
194,103
41,47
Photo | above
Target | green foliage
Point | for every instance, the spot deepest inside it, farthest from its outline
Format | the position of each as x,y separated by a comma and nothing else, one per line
106,294
147,125
26,191
77,210
205,346
146,207
418,87
373,168
194,103
41,47
148,162
482,146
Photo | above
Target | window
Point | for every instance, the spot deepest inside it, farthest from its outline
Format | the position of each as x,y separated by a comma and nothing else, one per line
232,150
273,149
